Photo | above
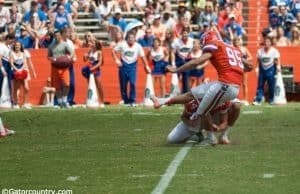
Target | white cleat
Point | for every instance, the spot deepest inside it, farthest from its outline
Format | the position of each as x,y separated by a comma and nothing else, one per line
16,106
224,140
155,101
208,142
255,103
27,106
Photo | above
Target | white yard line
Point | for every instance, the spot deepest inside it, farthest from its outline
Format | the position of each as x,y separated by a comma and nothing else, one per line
171,170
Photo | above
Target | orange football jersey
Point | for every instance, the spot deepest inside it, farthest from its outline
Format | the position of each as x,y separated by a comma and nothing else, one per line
227,60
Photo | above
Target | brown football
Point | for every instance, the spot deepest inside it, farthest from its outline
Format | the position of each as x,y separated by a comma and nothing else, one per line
62,61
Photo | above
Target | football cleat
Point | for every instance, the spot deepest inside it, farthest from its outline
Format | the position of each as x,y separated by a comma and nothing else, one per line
224,140
155,101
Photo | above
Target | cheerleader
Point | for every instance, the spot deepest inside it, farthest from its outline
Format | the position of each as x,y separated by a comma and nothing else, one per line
95,59
159,56
196,74
18,63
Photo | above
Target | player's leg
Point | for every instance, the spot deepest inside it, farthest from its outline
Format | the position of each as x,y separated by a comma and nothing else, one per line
271,82
185,82
163,86
71,93
100,90
16,86
180,99
123,85
245,88
65,79
260,87
132,81
217,94
233,115
179,134
195,93
25,85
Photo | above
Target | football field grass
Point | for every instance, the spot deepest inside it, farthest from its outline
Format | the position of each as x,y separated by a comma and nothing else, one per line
124,150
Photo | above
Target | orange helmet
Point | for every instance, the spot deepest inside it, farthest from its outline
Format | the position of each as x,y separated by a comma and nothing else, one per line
209,36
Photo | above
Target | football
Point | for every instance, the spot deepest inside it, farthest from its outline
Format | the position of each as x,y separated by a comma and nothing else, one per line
62,61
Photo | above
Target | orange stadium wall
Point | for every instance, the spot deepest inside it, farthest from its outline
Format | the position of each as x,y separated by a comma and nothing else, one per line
109,75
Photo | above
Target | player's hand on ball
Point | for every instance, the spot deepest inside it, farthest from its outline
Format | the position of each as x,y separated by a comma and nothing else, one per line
171,69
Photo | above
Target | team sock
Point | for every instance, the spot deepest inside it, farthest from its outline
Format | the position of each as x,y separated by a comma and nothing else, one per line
60,100
225,131
163,101
65,99
1,126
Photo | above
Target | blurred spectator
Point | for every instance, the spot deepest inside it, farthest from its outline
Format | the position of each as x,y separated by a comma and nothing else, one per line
82,5
233,28
182,11
66,37
167,20
181,22
35,15
10,29
147,40
195,14
19,65
223,18
3,23
116,23
295,40
61,18
274,17
60,77
295,8
205,27
158,29
47,40
181,49
125,5
159,57
88,40
170,37
76,41
198,4
247,55
68,7
4,11
102,10
5,50
196,74
49,93
95,59
130,51
27,37
15,16
285,15
149,13
269,63
140,4
208,15
281,40
118,38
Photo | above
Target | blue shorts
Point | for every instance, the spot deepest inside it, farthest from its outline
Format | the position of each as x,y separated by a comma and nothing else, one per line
159,67
198,73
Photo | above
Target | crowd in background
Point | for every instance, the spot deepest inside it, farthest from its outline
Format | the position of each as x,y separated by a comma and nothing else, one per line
284,19
170,34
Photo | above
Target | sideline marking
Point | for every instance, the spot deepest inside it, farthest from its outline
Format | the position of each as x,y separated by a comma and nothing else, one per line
252,112
72,178
171,170
268,176
138,130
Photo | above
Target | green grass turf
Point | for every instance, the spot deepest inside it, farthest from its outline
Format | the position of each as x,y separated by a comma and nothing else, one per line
124,150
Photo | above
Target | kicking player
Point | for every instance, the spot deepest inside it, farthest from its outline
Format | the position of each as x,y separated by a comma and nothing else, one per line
224,116
230,66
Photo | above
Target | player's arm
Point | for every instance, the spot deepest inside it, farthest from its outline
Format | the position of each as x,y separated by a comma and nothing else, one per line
185,119
278,64
146,66
191,64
